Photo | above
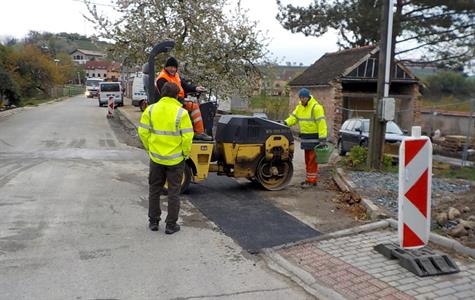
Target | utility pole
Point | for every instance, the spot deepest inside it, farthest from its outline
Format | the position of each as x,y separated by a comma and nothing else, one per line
469,133
378,124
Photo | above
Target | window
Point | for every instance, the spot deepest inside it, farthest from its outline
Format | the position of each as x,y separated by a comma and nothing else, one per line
392,127
93,83
93,74
110,87
365,125
357,126
351,125
345,125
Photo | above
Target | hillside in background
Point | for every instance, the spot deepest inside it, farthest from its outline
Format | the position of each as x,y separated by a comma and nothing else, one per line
63,42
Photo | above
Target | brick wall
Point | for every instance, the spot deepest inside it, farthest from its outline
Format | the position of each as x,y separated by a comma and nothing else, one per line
409,110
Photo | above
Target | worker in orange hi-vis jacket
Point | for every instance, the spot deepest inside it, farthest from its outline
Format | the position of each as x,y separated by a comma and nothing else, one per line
170,74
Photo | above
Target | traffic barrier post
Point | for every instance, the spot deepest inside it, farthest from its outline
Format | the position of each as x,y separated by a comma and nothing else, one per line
415,183
110,107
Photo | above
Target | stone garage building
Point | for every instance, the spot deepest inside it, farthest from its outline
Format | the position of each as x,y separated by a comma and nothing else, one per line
345,83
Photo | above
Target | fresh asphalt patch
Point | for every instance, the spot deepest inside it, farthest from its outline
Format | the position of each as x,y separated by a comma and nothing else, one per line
254,223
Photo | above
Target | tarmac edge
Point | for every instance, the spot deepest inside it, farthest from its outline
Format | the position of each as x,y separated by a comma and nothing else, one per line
126,117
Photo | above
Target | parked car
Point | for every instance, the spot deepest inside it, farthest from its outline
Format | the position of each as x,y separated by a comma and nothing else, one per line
110,89
355,132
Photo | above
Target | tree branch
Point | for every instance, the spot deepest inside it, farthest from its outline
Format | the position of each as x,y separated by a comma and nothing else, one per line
419,9
433,43
437,32
437,60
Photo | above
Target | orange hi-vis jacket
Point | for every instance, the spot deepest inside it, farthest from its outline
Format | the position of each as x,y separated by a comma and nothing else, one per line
175,79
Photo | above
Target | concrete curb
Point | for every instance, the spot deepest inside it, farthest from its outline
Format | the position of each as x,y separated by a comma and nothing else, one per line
126,117
374,212
10,112
301,277
338,234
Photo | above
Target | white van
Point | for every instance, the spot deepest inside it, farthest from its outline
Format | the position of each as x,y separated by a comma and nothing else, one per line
92,87
110,89
138,92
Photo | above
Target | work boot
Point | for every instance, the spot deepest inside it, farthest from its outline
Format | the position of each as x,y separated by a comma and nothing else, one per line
202,137
171,228
307,184
153,224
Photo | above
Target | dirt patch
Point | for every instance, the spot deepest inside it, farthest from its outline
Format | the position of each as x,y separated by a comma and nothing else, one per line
323,208
382,190
465,203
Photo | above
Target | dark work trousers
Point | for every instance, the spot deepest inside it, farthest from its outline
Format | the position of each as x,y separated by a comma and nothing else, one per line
159,174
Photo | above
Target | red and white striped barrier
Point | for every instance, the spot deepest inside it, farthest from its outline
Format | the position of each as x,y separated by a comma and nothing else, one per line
415,183
110,107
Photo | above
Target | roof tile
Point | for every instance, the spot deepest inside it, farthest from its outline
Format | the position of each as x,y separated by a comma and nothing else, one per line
331,66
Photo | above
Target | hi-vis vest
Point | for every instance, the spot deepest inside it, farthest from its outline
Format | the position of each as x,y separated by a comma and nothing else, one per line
311,120
175,79
166,132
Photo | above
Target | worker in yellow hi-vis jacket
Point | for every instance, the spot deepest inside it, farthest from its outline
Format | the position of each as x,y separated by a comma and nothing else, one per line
310,117
166,133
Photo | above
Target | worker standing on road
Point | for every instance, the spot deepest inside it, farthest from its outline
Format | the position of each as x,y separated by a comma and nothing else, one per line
170,74
166,133
310,116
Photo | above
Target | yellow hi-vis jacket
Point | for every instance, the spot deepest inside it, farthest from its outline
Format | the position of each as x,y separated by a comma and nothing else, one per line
311,121
166,131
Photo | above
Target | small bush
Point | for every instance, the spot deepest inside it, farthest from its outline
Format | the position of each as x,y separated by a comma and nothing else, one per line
358,156
389,164
387,161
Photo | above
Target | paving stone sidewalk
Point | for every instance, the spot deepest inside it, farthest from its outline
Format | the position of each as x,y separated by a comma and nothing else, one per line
350,267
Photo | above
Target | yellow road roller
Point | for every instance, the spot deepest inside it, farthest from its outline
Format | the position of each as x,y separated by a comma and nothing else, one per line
257,149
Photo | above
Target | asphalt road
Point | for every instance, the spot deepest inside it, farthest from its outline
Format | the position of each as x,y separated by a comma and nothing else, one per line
73,220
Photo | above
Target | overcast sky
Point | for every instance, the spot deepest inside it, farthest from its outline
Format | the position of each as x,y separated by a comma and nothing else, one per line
20,16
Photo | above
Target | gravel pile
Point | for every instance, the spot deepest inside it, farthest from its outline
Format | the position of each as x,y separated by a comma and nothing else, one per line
382,188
